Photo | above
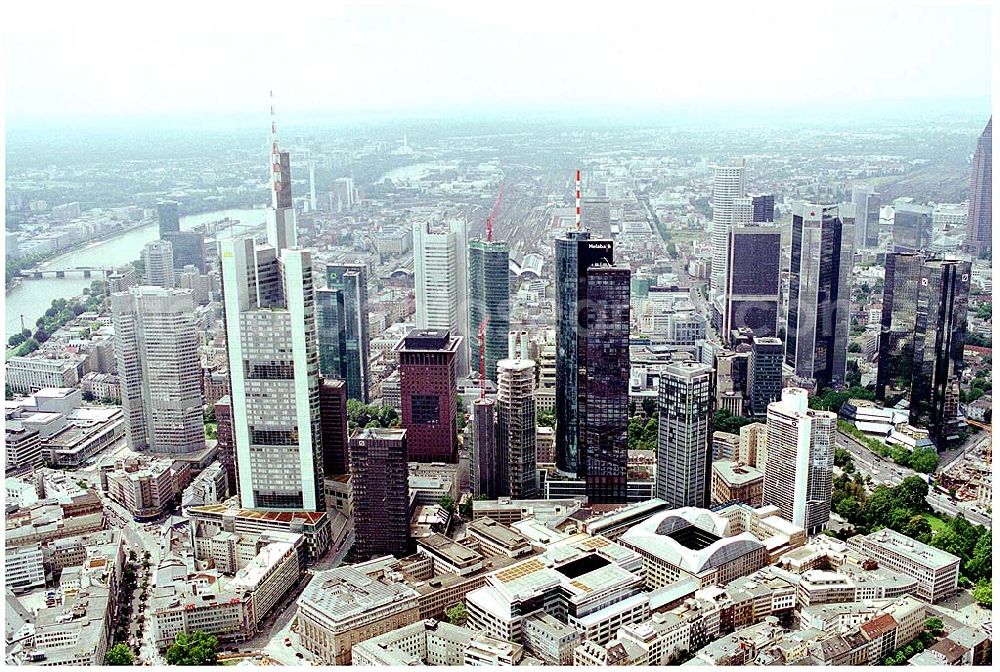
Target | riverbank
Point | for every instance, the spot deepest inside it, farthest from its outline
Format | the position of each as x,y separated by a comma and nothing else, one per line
34,296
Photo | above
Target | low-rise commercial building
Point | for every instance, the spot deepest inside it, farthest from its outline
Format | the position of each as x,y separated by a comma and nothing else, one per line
496,539
735,482
76,632
231,609
936,571
147,486
351,604
590,583
29,374
23,567
428,643
693,543
314,526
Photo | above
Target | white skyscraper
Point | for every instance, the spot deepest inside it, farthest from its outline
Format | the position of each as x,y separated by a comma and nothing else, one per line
269,303
727,187
274,375
156,347
516,429
798,476
158,260
441,282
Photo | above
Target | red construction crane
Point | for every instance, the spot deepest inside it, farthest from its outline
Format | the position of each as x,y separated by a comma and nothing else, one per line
482,358
493,216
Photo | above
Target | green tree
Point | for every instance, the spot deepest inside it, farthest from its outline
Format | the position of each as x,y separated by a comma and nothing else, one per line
447,503
918,527
924,460
457,614
196,649
980,565
934,625
912,493
841,456
854,347
119,654
983,593
950,541
724,421
546,419
849,508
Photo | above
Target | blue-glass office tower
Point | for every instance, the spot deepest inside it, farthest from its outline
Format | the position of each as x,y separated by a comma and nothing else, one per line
489,298
342,328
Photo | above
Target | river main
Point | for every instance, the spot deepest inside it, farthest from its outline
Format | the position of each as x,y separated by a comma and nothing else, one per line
33,297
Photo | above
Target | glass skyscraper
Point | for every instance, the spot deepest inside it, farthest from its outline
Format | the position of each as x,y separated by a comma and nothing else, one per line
342,328
592,364
911,226
979,224
819,293
604,359
923,334
753,281
684,441
489,298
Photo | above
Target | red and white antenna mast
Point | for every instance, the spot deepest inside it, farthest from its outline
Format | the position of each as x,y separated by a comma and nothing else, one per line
493,216
577,199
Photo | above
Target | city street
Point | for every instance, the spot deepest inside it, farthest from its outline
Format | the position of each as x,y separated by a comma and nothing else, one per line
882,470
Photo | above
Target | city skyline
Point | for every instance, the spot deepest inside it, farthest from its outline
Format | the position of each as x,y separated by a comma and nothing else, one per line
506,373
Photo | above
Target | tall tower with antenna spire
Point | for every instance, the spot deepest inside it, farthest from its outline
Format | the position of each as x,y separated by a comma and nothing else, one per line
281,232
592,330
270,318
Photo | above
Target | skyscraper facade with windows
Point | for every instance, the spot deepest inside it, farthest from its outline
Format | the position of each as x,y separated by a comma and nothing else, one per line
979,224
379,482
188,248
684,440
156,348
169,220
867,209
764,379
333,423
485,468
440,282
604,359
798,476
727,187
921,344
489,301
270,317
753,281
158,263
819,296
428,373
912,226
342,328
516,428
592,329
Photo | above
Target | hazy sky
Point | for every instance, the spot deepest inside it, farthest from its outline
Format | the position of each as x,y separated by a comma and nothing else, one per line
182,59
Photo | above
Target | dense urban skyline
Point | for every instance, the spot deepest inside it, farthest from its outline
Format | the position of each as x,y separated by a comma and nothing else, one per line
468,383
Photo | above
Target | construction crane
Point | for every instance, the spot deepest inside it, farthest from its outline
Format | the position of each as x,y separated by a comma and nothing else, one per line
482,357
493,216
